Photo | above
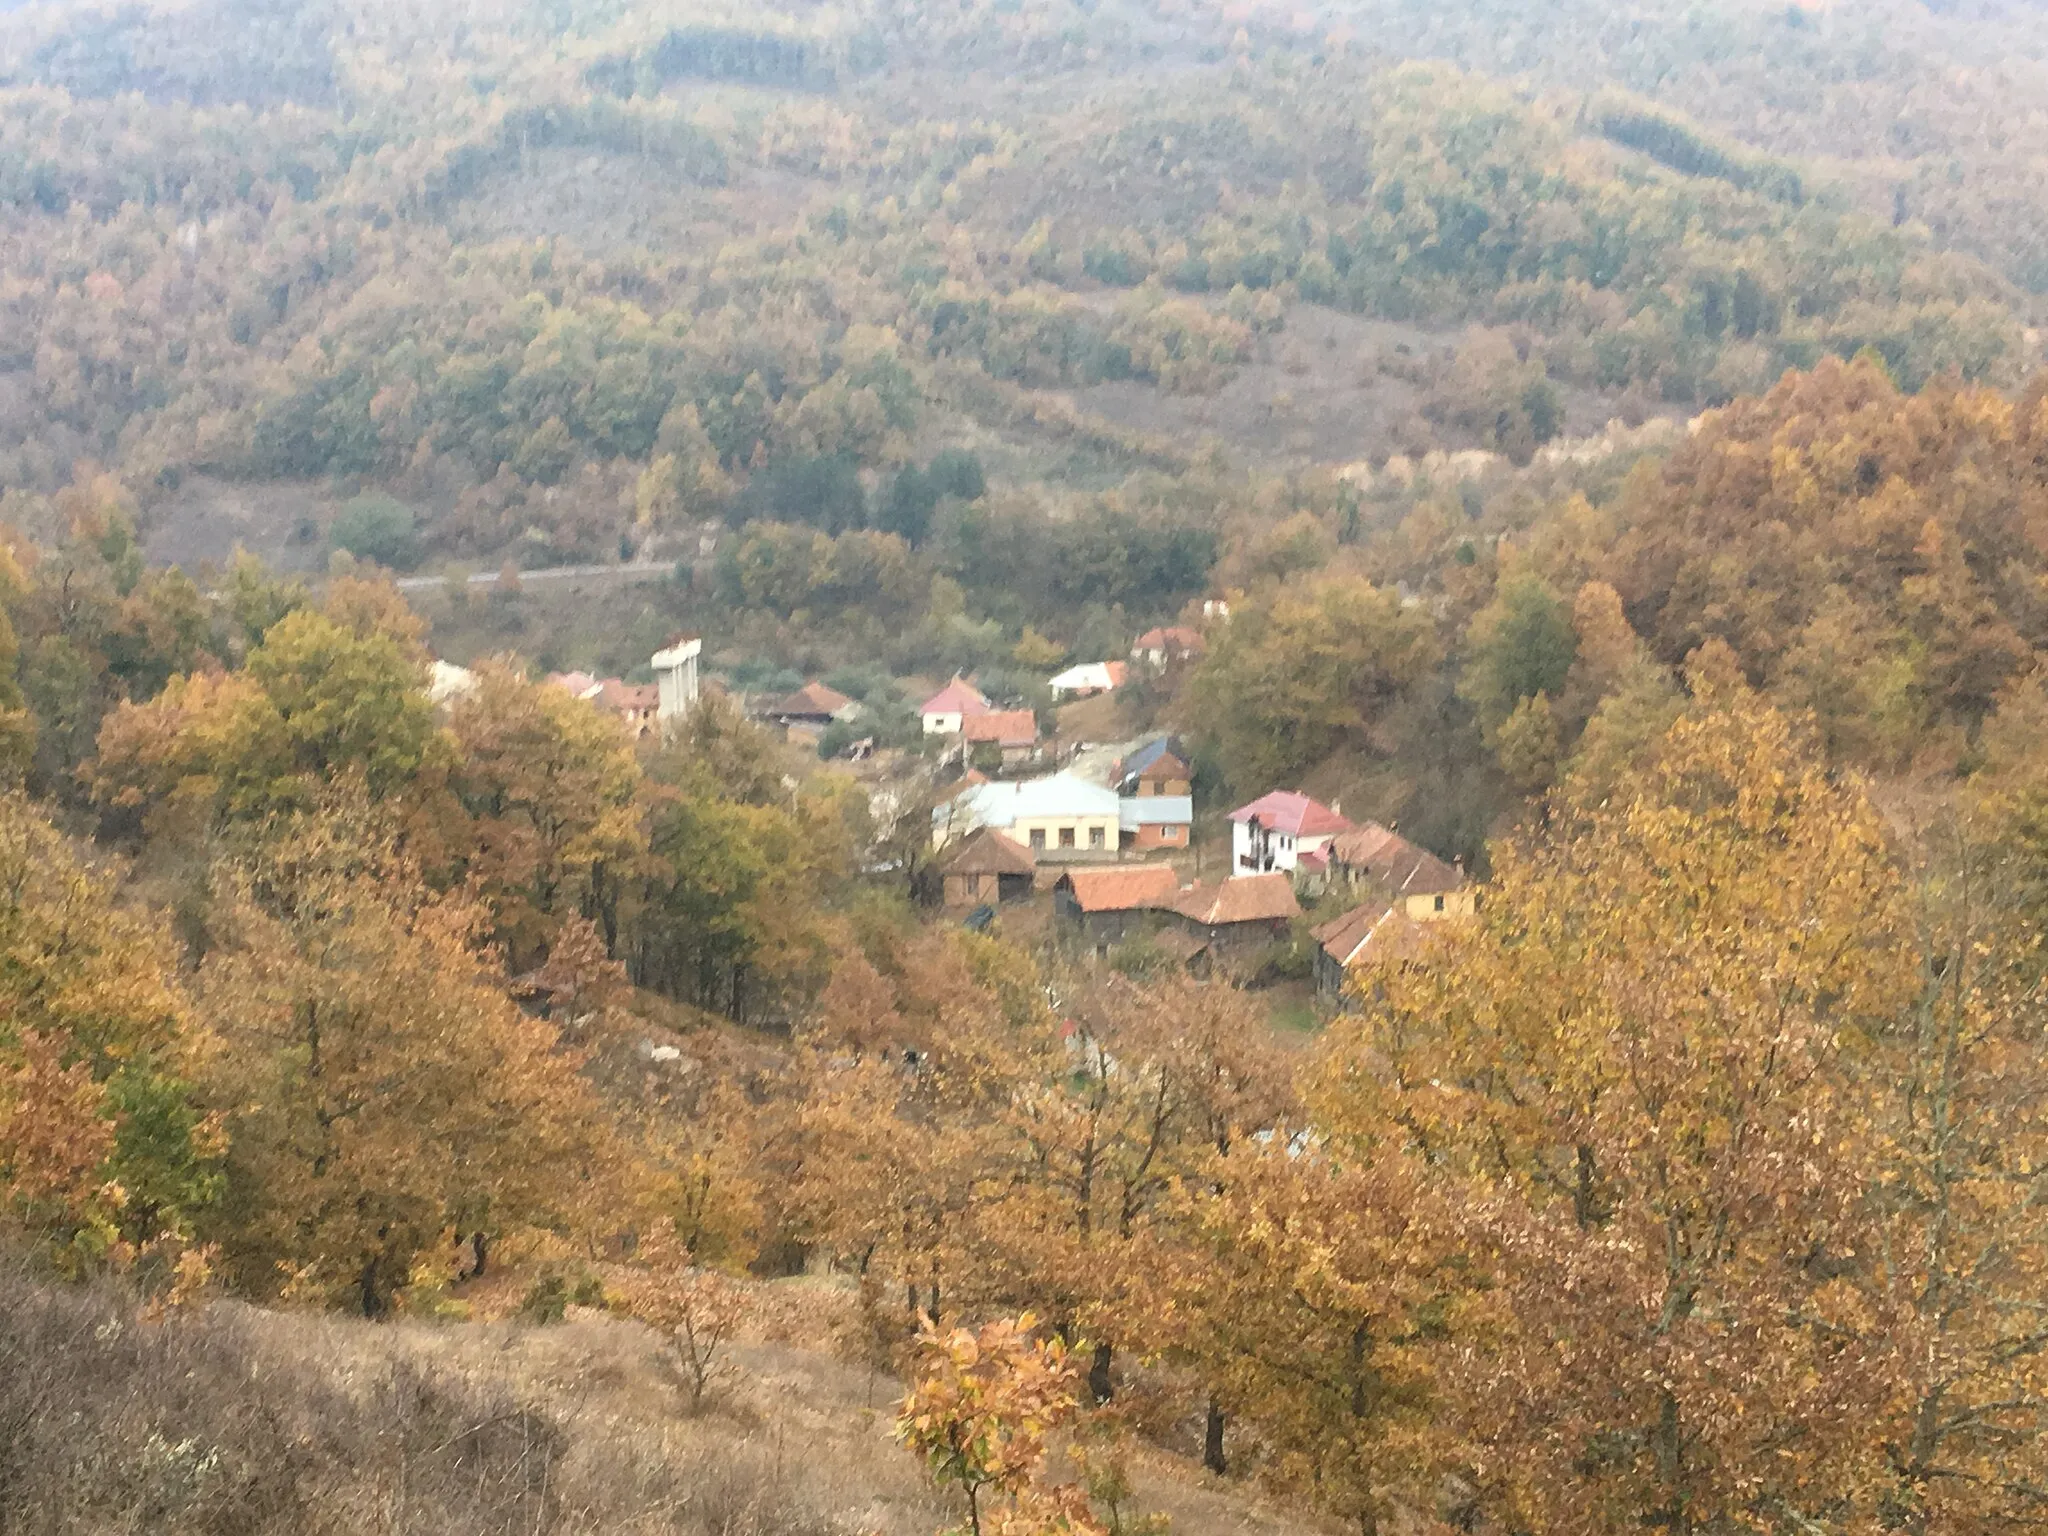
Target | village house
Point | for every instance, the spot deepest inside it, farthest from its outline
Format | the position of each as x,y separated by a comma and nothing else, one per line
1274,832
988,870
813,705
1408,876
1012,732
1239,914
1155,769
1089,679
946,712
1361,936
1062,817
1169,647
1106,906
1156,823
645,708
636,704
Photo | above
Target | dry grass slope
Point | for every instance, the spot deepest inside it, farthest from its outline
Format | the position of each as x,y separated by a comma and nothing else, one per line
227,1420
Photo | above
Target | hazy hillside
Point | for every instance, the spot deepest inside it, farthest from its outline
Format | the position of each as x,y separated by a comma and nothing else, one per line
1342,825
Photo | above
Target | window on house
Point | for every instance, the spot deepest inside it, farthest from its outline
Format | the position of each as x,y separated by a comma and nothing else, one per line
1439,903
1097,838
1038,837
1066,837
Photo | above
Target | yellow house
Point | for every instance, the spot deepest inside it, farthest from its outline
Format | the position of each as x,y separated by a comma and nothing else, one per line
1055,817
1415,882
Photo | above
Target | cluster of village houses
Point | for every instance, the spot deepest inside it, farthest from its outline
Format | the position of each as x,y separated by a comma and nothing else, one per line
1100,831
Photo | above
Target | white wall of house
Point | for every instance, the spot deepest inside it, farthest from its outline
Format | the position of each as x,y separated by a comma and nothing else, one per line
1257,850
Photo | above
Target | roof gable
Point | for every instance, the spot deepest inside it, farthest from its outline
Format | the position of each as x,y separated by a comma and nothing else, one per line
1365,933
811,699
988,852
1156,759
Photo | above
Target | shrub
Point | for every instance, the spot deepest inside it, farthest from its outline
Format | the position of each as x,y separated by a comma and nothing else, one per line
378,528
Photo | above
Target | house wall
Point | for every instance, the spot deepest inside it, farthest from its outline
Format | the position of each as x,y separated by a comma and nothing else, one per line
1329,975
1425,909
1260,850
943,725
1098,929
676,681
1043,835
1237,938
972,890
1149,839
1150,789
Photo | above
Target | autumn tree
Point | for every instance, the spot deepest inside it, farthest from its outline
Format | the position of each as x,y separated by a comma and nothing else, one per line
1298,674
1153,1083
1645,1078
104,1146
381,1089
978,1415
551,788
1314,1298
324,695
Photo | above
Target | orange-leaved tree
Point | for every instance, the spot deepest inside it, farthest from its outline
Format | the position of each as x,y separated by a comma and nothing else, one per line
103,1148
1652,1082
381,1087
978,1415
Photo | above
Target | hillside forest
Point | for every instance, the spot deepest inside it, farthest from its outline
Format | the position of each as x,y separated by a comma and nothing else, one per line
1608,444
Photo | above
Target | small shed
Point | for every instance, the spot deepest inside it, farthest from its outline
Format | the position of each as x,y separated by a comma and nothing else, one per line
1240,913
1105,905
813,704
989,868
1013,732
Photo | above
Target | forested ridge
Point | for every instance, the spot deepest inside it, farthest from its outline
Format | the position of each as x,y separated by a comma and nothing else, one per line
1555,433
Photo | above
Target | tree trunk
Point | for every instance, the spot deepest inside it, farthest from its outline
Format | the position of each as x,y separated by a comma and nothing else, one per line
1212,1440
1100,1387
366,1284
480,1246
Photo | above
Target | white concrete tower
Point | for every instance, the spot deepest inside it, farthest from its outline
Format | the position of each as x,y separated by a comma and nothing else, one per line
675,672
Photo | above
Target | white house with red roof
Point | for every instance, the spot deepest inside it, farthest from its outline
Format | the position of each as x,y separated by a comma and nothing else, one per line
947,711
1275,832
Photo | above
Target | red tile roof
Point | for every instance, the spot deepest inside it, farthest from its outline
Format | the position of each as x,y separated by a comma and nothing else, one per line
628,698
959,697
1370,932
1293,814
1131,889
811,699
1246,899
1171,639
1006,728
1390,861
